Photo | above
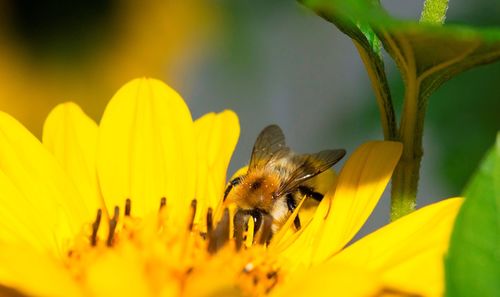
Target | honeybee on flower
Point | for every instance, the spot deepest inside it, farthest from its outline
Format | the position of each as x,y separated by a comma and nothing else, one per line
277,180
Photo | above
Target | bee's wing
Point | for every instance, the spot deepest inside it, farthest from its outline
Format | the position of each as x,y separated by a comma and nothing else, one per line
308,166
269,144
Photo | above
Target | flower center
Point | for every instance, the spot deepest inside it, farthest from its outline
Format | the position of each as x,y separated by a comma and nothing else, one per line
171,257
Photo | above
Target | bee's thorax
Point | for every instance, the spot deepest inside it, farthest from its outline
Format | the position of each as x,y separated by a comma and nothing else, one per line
257,190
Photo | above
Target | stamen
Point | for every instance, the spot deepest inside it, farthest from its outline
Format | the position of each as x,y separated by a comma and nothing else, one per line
163,202
193,213
95,227
272,274
112,226
210,223
274,281
220,235
127,207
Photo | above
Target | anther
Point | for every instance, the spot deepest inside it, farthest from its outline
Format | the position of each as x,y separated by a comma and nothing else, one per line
220,235
163,202
193,214
95,227
210,223
271,274
112,226
127,207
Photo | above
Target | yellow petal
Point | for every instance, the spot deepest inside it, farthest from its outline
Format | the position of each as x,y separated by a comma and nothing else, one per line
359,188
345,208
21,223
71,136
146,149
111,275
40,182
216,137
408,253
34,274
329,280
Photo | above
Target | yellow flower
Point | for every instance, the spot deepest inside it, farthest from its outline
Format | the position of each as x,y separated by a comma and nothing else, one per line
132,207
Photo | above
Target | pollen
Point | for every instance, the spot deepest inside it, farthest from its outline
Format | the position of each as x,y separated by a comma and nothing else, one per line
177,259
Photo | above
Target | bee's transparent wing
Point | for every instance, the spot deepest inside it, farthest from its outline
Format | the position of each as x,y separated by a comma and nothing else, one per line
308,166
269,144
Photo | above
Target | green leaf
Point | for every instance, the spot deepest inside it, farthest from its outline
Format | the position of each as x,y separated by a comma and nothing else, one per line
429,55
369,48
473,261
426,53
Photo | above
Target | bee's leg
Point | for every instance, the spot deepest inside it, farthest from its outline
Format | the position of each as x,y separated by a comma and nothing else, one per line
310,193
234,182
290,202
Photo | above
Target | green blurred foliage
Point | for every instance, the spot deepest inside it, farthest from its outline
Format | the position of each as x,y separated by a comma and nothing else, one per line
473,262
464,117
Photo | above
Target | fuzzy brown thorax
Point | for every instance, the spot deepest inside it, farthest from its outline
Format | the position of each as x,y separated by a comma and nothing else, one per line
257,190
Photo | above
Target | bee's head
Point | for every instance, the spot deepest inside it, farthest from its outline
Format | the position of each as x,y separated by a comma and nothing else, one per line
256,191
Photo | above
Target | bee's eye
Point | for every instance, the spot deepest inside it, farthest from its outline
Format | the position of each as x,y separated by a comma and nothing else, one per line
256,184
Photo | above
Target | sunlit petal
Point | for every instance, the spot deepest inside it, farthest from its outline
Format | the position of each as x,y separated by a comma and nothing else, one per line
71,136
20,223
35,274
409,252
41,182
146,149
216,137
109,275
328,280
359,188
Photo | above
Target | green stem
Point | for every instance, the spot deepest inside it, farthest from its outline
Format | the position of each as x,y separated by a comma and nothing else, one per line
434,11
407,172
380,86
406,176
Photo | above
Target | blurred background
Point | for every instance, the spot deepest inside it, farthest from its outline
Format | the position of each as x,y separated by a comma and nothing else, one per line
270,61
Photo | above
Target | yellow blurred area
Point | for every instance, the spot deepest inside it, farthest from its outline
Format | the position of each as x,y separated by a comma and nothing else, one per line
142,38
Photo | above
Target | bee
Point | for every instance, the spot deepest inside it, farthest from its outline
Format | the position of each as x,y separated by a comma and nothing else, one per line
277,179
